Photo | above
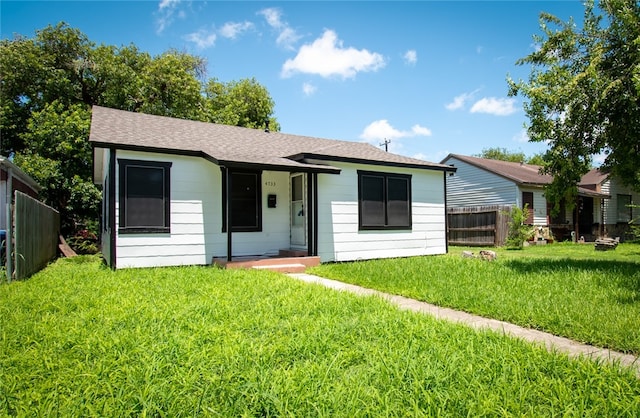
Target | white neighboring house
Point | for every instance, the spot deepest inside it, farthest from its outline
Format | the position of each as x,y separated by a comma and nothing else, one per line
482,181
173,188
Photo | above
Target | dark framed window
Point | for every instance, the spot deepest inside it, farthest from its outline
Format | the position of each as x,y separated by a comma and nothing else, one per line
624,208
384,200
246,199
527,200
145,203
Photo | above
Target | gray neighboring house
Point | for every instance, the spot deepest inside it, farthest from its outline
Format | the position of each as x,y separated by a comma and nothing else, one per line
12,178
178,192
481,181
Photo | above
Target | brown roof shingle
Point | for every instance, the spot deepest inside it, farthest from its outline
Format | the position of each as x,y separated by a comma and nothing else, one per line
519,172
111,128
529,174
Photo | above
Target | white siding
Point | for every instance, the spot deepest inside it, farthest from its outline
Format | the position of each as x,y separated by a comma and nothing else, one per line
339,238
473,186
193,183
539,204
196,218
613,188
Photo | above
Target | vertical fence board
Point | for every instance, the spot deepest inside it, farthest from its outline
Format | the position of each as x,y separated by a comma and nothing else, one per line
478,225
36,232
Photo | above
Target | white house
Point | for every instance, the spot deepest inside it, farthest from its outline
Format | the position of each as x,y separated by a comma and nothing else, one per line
179,192
482,181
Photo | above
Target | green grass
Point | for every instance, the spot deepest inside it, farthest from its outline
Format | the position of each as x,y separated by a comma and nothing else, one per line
568,290
80,340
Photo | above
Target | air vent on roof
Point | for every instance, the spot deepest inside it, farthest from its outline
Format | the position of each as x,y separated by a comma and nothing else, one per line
266,123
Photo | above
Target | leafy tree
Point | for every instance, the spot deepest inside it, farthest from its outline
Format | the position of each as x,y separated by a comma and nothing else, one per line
584,95
240,103
50,82
58,156
503,154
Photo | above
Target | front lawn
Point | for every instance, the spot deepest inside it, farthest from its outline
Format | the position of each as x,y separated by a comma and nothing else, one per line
80,340
566,289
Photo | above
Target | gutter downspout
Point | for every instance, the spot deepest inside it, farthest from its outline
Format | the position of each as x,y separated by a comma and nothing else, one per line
445,174
229,214
9,236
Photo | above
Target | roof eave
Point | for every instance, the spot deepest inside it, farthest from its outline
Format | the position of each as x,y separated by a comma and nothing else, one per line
322,157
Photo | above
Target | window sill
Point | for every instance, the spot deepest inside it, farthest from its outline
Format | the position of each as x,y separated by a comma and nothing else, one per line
384,228
131,231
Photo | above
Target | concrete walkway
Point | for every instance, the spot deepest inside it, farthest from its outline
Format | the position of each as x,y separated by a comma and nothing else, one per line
551,342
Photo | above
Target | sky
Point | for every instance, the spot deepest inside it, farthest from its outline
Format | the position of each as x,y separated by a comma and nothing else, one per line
427,77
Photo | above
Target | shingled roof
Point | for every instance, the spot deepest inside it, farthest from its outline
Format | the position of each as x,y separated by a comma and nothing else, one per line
235,146
522,173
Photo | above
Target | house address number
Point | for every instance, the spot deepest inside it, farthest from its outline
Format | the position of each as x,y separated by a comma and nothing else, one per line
270,183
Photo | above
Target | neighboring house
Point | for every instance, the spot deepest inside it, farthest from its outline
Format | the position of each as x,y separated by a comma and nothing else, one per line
481,181
12,178
173,188
618,210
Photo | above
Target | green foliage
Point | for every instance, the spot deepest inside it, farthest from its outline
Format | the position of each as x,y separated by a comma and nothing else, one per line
566,289
518,232
50,82
583,95
502,154
244,103
81,340
84,242
58,156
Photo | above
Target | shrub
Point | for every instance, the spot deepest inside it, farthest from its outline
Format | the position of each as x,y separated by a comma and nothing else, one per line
518,232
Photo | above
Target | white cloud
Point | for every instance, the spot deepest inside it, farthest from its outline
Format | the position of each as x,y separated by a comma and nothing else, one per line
272,17
166,14
202,38
308,89
420,130
380,130
287,36
232,30
494,106
411,57
327,57
460,100
521,136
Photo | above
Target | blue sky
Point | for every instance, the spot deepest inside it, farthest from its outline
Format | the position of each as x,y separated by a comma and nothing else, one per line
429,76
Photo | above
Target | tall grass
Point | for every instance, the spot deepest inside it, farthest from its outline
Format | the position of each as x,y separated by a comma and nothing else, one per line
569,290
80,340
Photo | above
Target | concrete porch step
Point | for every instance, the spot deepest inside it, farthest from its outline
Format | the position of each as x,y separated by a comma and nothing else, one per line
283,268
281,264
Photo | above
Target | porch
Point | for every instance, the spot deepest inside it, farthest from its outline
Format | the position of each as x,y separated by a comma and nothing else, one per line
287,261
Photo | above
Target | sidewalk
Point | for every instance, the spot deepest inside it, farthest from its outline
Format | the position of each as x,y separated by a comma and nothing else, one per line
551,342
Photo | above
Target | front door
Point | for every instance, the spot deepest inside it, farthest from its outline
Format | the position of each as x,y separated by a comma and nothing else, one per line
298,211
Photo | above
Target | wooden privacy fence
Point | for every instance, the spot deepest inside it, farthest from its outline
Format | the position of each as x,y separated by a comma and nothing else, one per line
36,231
478,225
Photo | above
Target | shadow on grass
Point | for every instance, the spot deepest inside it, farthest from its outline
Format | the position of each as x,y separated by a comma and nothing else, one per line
624,274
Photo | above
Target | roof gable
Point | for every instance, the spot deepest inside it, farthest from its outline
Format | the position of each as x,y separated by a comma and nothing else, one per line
232,145
529,174
519,173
